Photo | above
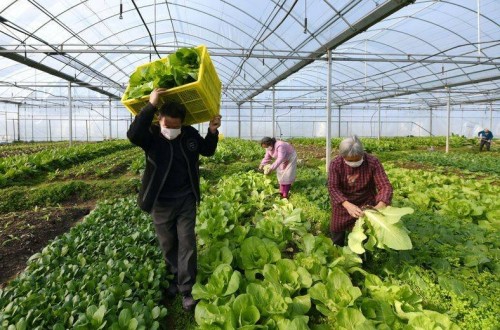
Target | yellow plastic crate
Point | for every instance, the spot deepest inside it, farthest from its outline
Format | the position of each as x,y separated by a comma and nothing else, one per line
201,98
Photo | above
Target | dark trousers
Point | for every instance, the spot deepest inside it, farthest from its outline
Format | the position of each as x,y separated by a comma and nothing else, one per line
483,143
174,224
338,238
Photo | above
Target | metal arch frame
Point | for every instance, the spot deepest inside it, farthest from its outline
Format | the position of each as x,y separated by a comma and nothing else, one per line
403,88
312,36
279,62
31,34
54,72
255,42
234,26
429,89
425,42
401,68
184,22
72,32
361,25
458,68
412,78
468,9
139,25
396,68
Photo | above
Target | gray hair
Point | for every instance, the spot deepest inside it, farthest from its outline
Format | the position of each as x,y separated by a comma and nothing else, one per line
351,147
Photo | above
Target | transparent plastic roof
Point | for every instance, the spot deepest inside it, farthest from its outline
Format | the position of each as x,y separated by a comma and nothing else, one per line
386,50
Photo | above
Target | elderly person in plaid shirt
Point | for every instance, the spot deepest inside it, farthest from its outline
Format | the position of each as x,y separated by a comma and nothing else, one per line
355,179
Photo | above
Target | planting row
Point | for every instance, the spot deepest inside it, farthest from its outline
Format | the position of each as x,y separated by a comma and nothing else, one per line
258,267
17,170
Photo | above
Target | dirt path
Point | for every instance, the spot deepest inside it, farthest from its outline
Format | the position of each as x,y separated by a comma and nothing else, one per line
25,233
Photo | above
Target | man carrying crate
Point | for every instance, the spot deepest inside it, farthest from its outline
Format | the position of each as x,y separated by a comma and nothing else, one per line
170,187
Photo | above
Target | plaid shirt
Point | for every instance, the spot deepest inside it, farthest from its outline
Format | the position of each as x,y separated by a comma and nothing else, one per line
364,185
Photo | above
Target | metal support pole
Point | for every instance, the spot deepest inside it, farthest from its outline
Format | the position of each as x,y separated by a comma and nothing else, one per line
117,123
478,28
251,119
70,104
430,122
339,119
32,129
328,110
87,129
18,123
6,128
491,117
110,132
274,118
26,123
50,130
103,125
239,122
448,122
379,126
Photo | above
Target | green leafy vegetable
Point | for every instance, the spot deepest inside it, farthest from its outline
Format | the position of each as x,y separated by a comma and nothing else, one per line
334,293
383,230
177,69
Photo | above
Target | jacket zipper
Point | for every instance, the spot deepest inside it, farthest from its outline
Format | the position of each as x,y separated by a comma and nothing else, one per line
189,172
166,173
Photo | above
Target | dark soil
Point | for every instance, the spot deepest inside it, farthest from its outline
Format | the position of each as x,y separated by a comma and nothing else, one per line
308,152
25,233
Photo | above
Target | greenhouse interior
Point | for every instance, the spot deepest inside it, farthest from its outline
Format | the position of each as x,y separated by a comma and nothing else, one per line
377,68
416,81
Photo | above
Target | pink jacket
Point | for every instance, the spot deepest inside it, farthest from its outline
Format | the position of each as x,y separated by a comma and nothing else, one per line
281,151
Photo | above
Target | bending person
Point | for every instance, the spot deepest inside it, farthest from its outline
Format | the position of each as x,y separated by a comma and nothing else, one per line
486,137
355,179
285,163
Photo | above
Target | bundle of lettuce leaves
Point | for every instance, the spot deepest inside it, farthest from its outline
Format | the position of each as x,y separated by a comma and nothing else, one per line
177,69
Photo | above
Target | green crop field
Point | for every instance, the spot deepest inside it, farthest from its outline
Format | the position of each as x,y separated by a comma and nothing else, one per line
77,253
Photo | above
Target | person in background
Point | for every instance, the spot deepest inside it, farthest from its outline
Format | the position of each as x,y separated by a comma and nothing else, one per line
170,187
486,137
355,179
285,163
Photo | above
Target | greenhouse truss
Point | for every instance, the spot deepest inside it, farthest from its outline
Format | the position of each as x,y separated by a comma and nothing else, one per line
312,68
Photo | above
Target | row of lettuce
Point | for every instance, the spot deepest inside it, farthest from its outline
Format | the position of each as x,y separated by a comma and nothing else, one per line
85,173
259,267
397,143
40,161
450,274
22,169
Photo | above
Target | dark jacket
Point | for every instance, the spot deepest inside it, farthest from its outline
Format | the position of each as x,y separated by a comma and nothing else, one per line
159,155
485,136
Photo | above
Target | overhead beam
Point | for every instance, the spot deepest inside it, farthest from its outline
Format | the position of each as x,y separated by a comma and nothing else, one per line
39,66
2,100
379,13
421,90
340,57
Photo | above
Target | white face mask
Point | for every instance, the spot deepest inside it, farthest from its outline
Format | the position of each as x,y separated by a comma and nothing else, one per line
170,133
354,164
270,148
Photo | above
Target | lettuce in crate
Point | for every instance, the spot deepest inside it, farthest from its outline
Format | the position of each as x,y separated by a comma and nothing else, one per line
177,69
